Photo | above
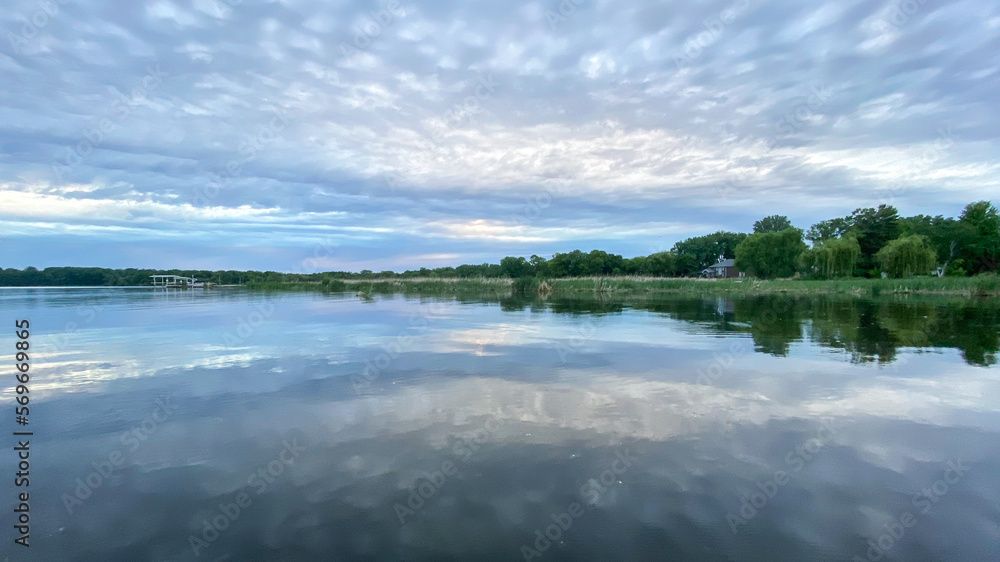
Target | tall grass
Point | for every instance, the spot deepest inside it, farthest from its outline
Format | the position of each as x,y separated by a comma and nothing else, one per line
432,286
981,285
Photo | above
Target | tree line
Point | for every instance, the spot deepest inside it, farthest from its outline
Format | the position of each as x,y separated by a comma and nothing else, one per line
872,242
869,242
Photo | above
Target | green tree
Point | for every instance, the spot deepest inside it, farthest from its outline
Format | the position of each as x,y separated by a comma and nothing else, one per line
708,249
828,229
539,265
874,228
907,256
984,251
579,264
569,264
950,237
515,267
832,258
984,216
686,265
636,266
599,262
773,223
661,264
770,254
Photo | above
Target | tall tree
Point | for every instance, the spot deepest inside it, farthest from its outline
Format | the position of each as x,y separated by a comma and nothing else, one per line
771,254
952,239
515,267
773,223
984,252
874,228
539,265
687,265
577,264
636,266
828,229
600,262
662,264
708,249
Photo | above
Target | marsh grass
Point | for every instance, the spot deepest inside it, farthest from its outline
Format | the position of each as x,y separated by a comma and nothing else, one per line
981,285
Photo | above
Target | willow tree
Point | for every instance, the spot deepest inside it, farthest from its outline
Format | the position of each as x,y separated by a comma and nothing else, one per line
906,256
833,258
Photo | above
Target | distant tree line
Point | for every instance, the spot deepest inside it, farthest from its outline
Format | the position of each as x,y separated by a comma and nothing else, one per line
866,243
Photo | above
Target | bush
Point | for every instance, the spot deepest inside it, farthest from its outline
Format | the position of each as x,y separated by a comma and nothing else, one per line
955,269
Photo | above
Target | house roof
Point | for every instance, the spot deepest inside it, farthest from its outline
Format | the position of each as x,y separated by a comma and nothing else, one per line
726,263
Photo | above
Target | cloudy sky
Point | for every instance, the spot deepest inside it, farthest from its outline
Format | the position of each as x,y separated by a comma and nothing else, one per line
300,135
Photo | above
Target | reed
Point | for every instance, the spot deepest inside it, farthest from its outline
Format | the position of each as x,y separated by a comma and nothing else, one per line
981,285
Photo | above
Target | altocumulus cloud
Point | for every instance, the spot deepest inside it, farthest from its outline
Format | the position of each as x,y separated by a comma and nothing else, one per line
643,145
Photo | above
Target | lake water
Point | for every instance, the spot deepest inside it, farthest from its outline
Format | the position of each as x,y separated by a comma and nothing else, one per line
173,425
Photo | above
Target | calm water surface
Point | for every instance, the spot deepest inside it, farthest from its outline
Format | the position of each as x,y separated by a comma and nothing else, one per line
219,425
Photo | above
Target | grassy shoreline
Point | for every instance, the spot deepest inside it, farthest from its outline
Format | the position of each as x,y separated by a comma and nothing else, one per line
985,285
